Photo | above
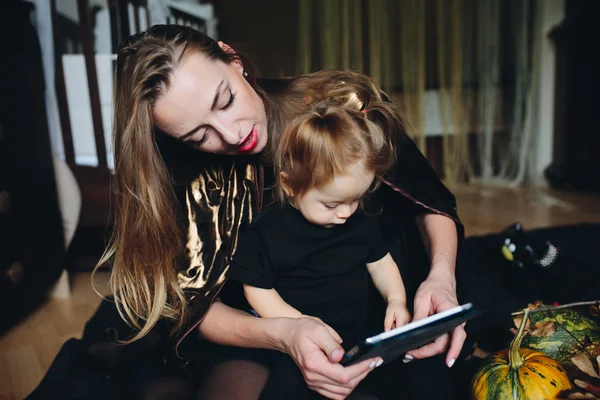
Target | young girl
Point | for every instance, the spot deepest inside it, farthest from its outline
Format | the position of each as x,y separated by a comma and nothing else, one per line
306,256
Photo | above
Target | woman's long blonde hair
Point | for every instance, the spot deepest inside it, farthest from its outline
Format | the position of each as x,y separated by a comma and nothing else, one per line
147,240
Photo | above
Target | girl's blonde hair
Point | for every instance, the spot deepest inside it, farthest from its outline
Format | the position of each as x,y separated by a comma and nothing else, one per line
323,142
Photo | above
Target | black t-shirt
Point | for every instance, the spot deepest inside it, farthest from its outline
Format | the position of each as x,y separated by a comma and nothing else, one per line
319,271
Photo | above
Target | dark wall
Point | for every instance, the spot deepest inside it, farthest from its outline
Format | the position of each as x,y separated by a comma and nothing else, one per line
265,30
576,161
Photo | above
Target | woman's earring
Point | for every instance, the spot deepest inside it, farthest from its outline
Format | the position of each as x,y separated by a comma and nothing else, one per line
245,74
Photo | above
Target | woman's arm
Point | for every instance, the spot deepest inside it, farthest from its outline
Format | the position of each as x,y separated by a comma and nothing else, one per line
438,292
306,340
232,327
441,241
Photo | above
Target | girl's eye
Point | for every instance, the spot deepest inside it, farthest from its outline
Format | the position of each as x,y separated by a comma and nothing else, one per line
330,206
230,101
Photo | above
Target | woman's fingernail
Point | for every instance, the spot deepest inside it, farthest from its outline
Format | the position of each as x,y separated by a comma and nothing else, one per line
451,363
372,365
335,353
407,358
379,363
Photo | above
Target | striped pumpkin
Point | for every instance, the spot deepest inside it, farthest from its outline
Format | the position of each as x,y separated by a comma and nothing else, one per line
519,374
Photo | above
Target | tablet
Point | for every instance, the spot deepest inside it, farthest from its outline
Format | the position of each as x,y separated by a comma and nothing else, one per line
395,343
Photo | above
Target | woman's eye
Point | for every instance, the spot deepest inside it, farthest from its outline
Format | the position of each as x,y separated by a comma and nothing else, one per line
230,101
330,206
199,142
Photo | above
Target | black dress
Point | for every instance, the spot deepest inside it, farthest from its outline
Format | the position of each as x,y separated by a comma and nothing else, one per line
319,271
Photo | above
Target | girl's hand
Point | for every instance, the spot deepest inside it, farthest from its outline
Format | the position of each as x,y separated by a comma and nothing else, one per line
396,314
317,353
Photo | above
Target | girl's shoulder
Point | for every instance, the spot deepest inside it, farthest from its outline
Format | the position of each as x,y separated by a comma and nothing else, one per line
269,217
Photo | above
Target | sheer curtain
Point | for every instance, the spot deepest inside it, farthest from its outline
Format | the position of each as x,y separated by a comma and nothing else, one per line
461,70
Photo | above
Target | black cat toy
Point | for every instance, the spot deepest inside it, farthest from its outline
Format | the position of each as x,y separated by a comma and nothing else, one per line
520,253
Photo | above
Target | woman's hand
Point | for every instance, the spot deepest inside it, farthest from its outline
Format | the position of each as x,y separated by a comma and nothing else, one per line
438,293
317,353
332,331
307,340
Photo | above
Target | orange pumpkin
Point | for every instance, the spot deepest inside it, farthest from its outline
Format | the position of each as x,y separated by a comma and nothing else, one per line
519,374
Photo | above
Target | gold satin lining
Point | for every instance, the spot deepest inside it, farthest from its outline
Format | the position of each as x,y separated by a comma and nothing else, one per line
218,202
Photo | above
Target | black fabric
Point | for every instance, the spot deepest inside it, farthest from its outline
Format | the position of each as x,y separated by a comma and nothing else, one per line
234,380
414,183
498,288
99,366
317,270
32,251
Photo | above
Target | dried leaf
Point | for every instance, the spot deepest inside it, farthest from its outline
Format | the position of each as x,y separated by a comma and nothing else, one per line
581,384
587,341
543,329
583,362
479,353
595,390
595,310
517,321
535,305
579,395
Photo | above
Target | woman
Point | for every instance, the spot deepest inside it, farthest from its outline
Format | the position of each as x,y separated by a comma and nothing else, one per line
189,110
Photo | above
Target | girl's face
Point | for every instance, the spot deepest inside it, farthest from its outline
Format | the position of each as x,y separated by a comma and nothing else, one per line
332,204
212,107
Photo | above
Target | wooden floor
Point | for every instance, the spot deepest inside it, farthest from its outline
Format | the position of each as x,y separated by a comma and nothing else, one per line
28,349
489,209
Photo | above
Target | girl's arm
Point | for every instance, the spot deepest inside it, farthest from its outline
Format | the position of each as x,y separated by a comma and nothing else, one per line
268,303
387,279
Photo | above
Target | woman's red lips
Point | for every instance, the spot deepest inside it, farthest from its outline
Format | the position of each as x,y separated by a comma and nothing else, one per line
250,142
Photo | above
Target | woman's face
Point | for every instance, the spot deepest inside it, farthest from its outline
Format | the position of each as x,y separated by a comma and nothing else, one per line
212,107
